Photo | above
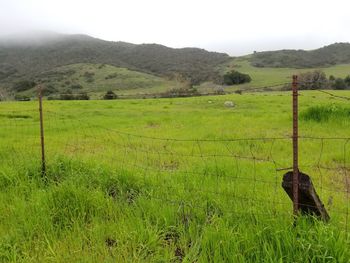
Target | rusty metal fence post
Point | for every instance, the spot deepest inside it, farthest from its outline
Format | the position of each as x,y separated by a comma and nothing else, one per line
295,146
42,141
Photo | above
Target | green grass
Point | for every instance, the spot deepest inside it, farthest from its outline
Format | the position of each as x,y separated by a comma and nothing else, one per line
102,78
265,77
111,196
128,82
326,113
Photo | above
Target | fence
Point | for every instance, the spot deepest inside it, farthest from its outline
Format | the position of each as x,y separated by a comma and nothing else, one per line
227,176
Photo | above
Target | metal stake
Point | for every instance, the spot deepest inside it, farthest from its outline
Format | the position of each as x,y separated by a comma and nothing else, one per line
295,146
43,162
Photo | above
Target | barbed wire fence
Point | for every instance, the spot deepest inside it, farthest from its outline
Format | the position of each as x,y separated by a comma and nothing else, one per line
230,177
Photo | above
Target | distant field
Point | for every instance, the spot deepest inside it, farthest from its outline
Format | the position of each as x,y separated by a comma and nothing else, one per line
164,180
265,77
98,78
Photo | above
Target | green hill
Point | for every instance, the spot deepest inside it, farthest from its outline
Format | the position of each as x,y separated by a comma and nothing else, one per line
27,58
338,53
85,64
97,78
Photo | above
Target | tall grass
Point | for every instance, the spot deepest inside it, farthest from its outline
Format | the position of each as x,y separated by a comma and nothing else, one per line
94,214
96,205
326,113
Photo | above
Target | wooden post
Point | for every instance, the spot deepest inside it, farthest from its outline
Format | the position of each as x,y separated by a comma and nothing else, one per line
42,140
309,202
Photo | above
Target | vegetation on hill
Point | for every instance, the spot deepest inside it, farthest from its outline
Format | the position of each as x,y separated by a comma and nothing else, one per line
234,77
96,78
28,59
338,53
268,78
84,64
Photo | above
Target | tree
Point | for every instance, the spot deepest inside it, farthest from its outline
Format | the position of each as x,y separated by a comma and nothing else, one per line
82,96
110,95
347,81
234,77
339,84
23,85
313,80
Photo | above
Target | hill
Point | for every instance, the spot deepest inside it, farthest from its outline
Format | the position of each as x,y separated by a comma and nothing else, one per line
25,58
97,78
338,53
265,77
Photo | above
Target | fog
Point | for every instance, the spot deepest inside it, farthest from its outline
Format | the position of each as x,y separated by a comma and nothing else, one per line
234,27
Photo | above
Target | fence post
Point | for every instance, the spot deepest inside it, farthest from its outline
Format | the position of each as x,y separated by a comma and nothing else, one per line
295,146
42,141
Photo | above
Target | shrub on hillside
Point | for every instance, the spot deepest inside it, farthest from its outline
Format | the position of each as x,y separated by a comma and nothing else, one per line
68,95
181,92
82,96
76,86
23,85
312,80
347,80
49,89
89,76
111,76
339,84
110,95
22,98
234,77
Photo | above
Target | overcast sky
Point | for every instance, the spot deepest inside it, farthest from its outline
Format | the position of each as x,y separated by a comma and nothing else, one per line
234,27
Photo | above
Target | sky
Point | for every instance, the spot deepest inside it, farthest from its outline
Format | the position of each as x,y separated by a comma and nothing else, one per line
230,26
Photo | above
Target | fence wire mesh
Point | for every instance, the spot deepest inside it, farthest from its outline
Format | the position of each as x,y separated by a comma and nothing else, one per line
227,176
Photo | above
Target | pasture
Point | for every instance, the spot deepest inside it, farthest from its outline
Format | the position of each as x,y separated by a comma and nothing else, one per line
172,180
274,78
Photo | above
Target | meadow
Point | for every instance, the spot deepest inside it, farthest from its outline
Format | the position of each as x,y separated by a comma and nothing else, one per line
172,180
273,78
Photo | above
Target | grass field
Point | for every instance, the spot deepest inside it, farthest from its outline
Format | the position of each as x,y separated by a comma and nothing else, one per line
164,180
96,79
266,77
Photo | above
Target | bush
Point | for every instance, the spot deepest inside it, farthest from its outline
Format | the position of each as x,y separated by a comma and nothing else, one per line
339,84
89,76
235,77
313,80
111,76
347,80
23,85
22,98
110,95
49,89
219,91
68,95
76,86
82,96
181,92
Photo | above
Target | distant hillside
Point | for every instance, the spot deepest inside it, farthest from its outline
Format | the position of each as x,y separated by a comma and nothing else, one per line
97,79
25,58
334,54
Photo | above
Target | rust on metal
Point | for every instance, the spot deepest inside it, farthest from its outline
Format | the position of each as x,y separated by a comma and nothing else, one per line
295,146
42,140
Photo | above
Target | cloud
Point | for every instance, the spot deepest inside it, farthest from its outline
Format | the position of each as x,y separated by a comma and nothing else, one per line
232,26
